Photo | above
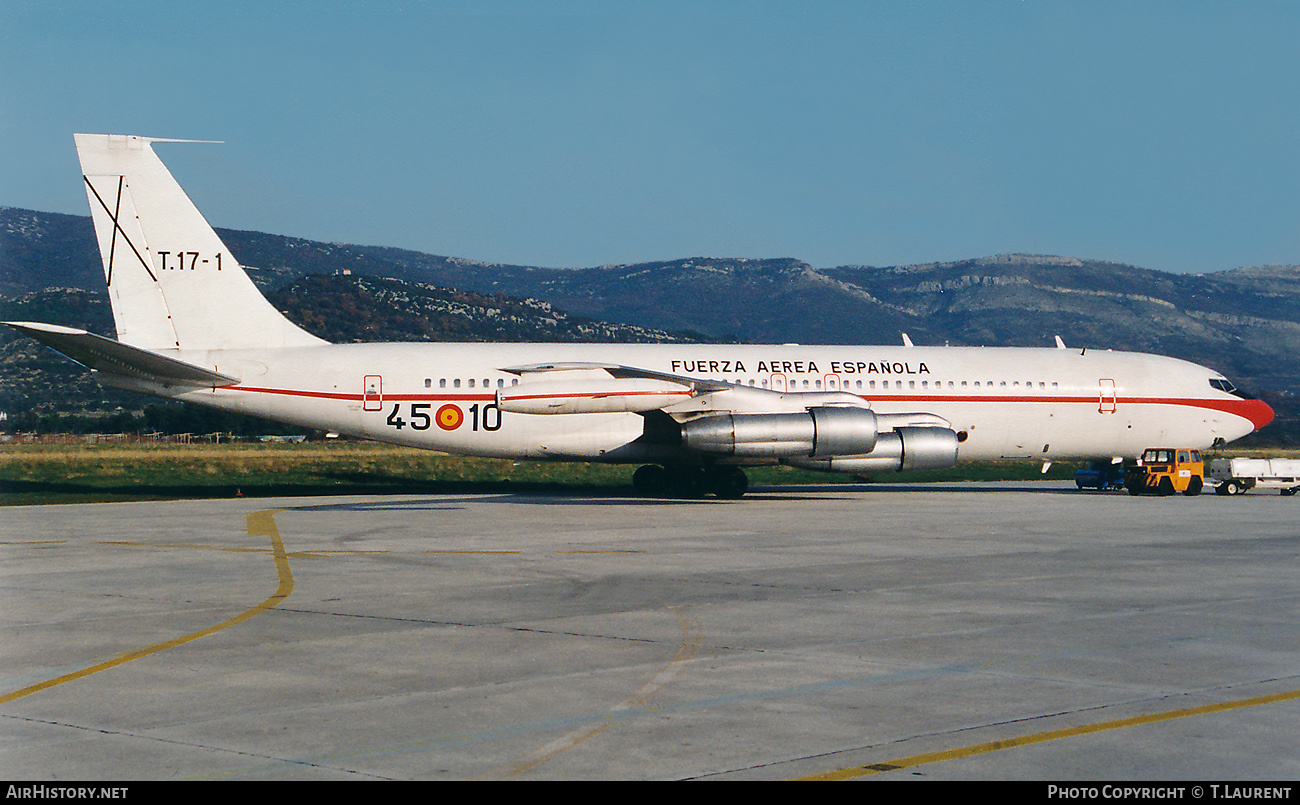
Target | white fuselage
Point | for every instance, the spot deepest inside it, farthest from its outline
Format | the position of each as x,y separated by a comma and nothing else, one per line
1003,402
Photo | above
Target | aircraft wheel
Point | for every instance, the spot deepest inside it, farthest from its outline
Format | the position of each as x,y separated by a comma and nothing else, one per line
650,480
688,482
729,483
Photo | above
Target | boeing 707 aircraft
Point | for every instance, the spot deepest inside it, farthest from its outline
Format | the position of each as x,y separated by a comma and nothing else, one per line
191,326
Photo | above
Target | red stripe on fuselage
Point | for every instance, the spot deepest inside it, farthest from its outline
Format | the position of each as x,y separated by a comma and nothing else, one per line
1257,412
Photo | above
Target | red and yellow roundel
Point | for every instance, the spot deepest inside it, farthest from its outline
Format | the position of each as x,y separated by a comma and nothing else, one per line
449,417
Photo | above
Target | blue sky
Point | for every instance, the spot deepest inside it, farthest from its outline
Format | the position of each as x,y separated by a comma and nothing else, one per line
580,133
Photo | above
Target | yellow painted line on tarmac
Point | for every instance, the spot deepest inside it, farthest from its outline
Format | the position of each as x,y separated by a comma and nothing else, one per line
260,523
1042,737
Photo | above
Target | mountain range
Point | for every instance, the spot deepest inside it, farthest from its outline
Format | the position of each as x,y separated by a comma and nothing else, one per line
1244,322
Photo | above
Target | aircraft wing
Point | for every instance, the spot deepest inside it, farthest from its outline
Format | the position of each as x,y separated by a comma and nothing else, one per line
813,429
113,357
618,372
579,387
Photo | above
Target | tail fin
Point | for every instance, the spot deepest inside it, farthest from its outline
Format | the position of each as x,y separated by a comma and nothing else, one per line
173,284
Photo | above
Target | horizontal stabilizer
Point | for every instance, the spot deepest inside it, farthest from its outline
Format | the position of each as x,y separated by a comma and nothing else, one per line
113,357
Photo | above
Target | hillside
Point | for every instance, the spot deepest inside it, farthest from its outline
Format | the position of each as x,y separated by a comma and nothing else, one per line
338,308
1244,322
344,309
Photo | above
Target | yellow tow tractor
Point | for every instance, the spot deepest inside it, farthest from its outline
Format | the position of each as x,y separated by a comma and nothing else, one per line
1166,470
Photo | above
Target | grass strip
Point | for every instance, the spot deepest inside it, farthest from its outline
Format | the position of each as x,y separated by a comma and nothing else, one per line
38,474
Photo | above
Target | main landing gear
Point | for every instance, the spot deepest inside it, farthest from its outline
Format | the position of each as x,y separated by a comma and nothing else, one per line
728,483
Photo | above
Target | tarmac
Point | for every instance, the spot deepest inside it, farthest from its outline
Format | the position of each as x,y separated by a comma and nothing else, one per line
1017,631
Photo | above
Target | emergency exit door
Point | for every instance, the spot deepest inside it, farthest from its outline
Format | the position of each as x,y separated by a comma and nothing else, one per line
372,393
1106,398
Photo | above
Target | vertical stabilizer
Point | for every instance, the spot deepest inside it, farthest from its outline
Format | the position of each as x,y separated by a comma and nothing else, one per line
173,284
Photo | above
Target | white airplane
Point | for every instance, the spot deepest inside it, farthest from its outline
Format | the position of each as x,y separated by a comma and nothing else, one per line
191,326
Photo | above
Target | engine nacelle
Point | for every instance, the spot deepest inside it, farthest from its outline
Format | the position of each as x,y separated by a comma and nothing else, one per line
903,449
812,433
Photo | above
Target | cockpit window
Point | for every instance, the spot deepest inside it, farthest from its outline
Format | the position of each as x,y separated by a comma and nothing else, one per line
1226,385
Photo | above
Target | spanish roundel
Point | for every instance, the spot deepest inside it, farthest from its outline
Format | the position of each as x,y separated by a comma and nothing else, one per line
449,417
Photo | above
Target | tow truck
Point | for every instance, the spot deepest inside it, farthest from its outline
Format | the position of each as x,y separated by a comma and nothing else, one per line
1166,470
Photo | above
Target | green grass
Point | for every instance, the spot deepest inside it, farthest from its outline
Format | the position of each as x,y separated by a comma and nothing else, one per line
34,474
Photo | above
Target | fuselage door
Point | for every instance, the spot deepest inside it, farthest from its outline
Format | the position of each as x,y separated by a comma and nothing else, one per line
372,393
1106,397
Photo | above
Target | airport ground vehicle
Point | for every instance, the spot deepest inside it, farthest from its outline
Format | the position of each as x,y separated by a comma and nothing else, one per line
1100,475
1233,476
1166,470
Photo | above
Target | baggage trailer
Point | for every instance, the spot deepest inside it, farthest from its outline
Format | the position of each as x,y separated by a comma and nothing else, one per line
1234,476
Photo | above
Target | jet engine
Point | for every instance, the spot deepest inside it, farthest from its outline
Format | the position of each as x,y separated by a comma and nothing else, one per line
907,448
815,432
831,439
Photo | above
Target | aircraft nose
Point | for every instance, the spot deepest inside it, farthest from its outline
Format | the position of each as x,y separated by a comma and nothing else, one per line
1257,411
